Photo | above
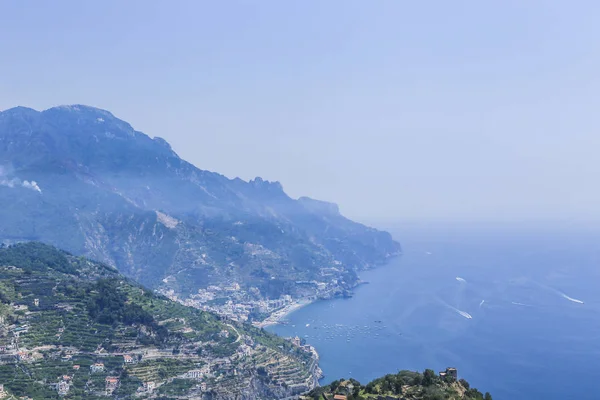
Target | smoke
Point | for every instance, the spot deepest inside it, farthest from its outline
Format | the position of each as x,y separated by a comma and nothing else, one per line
7,181
31,185
10,183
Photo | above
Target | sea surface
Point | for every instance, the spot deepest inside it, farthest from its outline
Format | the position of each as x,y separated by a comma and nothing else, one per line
516,309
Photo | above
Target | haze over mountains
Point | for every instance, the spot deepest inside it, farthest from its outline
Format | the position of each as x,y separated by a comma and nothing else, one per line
81,179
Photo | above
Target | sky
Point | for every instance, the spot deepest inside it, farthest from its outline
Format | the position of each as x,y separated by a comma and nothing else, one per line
395,110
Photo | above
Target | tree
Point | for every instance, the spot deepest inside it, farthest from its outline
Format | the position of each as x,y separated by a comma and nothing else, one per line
398,386
428,377
334,385
370,388
487,396
163,373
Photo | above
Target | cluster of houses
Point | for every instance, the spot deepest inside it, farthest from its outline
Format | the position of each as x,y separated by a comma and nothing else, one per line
10,352
238,307
111,382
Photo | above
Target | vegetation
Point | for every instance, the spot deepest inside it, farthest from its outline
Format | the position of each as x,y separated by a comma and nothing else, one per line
403,385
106,304
60,314
37,257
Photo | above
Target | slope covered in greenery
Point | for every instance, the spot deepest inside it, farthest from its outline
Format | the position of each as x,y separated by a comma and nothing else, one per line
407,385
62,316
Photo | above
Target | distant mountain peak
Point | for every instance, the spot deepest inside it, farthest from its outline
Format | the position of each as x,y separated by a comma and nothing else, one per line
81,108
19,109
261,183
99,183
88,114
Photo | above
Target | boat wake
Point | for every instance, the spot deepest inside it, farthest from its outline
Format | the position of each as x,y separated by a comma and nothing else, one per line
571,299
561,294
480,304
456,310
458,278
464,313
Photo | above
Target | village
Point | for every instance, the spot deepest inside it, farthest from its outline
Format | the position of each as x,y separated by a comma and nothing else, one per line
101,369
235,303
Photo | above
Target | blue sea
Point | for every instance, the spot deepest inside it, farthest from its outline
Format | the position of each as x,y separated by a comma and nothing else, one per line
532,293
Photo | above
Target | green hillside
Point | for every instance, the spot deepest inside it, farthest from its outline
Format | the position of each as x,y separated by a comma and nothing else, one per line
406,385
74,328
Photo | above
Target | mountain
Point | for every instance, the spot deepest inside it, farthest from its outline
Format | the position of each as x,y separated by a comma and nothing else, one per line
406,385
79,178
77,329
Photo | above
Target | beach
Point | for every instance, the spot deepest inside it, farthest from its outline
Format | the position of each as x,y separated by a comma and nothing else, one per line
280,314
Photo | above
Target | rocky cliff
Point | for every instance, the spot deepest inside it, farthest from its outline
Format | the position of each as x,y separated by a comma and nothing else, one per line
82,179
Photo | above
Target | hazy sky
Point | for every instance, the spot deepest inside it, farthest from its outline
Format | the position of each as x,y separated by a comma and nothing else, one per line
435,110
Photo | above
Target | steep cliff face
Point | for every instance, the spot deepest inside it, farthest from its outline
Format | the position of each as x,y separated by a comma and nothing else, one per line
80,178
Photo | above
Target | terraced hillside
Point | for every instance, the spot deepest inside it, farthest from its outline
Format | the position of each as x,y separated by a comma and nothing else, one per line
74,328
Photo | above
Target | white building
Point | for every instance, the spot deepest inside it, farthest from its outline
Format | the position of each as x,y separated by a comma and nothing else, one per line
194,374
128,359
149,386
63,388
224,333
97,367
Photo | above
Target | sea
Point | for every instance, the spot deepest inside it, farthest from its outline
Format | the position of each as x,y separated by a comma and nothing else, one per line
515,308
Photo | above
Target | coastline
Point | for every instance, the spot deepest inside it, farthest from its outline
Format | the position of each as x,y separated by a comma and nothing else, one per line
280,314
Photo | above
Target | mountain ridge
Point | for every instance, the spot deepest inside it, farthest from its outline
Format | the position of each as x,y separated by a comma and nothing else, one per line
105,190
